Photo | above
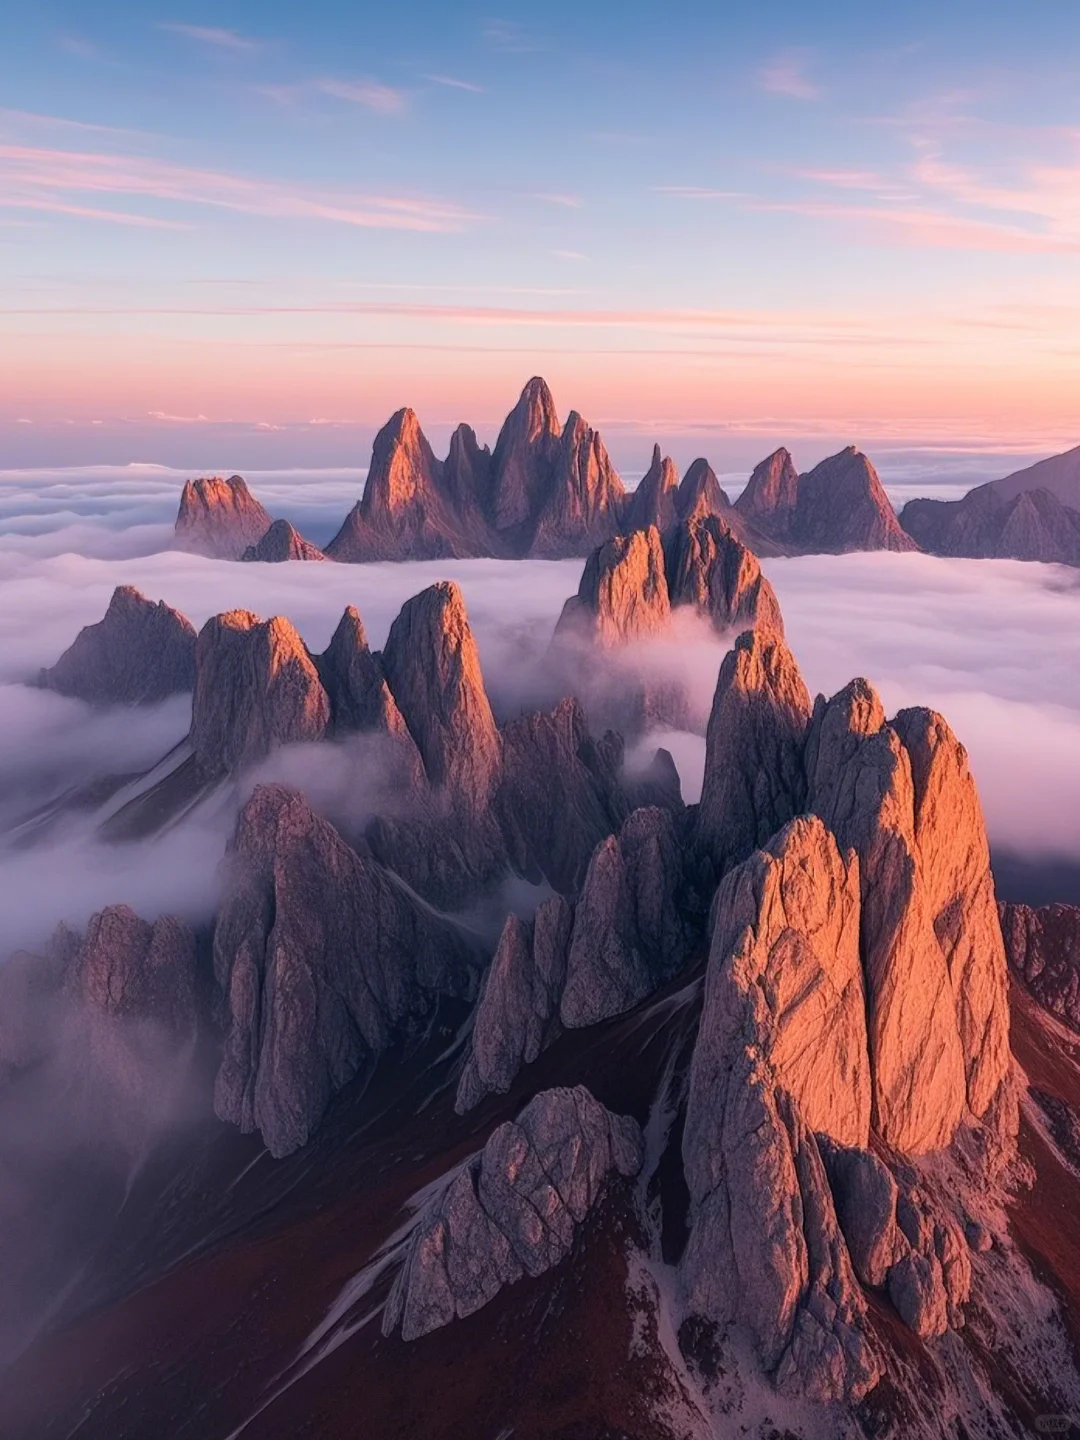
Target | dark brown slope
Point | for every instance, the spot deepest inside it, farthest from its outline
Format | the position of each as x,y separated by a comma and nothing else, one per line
989,524
138,654
219,518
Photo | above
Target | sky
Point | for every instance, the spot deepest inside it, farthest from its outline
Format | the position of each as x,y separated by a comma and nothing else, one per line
241,234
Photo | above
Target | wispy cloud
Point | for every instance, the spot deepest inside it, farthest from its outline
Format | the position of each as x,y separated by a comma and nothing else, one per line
786,74
569,255
454,84
38,178
565,202
219,38
509,36
696,192
31,120
79,46
383,99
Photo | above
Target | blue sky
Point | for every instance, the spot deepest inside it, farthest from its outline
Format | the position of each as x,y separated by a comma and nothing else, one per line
809,219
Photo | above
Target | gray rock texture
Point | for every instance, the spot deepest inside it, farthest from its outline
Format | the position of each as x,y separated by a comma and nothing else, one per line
319,954
256,687
1031,525
1043,947
140,653
512,1210
283,542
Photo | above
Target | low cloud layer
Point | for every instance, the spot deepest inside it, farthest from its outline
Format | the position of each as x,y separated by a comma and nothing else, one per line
992,644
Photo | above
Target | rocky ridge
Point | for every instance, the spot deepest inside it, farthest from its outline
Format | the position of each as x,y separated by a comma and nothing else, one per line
985,524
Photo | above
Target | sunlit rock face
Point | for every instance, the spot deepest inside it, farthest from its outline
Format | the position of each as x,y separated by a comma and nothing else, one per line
219,518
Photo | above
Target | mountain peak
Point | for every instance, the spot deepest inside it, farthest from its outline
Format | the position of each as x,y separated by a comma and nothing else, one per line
139,653
219,518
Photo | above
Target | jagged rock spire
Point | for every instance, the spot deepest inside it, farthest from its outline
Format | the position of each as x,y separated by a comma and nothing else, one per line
220,518
256,687
771,492
523,455
754,781
623,594
433,669
283,542
653,502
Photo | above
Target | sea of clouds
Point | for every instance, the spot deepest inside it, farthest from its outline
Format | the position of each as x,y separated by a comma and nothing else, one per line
994,645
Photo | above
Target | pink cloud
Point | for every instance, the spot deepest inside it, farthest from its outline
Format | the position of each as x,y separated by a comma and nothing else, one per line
211,35
786,75
26,171
383,99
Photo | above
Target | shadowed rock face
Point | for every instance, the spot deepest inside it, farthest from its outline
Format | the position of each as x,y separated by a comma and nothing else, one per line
1043,946
557,798
219,518
841,505
754,781
771,494
319,955
518,1011
524,454
512,1210
283,542
139,654
654,500
1032,525
433,669
584,495
632,925
355,683
256,687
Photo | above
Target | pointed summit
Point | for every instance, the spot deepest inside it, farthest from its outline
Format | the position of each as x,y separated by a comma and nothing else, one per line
256,687
584,497
283,542
623,594
219,518
708,568
433,669
402,514
700,493
139,654
653,502
523,454
771,492
842,506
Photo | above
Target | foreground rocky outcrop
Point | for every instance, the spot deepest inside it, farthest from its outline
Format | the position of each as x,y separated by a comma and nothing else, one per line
219,518
321,955
1043,946
631,930
280,543
987,524
512,1210
140,653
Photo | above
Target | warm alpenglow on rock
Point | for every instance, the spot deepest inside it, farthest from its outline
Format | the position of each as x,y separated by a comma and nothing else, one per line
220,518
140,653
481,1033
256,687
